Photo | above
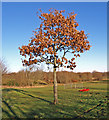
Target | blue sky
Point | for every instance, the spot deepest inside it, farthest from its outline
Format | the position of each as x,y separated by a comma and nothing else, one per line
19,19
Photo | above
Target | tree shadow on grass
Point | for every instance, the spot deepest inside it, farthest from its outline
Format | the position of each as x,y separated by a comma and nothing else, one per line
12,89
49,111
26,93
10,109
6,112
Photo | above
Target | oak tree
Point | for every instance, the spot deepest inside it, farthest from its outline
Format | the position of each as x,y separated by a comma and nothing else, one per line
56,37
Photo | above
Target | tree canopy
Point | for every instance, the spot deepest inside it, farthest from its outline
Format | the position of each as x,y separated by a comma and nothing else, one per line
55,37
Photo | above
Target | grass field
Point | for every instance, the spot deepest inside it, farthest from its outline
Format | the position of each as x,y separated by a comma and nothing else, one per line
37,102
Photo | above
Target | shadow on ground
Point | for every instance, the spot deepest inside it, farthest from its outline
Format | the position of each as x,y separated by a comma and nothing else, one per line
35,112
48,110
26,93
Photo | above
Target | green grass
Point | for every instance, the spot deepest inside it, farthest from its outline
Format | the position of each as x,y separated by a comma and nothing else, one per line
37,102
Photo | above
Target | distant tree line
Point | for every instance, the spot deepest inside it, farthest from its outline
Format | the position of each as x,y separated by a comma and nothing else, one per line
39,77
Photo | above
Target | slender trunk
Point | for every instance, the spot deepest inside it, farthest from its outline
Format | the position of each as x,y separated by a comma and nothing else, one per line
55,83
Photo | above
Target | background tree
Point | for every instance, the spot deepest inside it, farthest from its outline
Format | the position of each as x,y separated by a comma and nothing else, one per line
97,75
56,37
3,67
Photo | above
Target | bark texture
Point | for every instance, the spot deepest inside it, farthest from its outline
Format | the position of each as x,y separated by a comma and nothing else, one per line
55,83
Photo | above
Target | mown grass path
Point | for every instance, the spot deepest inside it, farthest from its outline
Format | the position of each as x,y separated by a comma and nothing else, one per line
32,103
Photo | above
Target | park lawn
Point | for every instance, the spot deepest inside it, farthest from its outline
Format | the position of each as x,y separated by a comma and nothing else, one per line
37,102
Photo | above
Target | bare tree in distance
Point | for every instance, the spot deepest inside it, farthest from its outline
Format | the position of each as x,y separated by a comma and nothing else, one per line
56,37
3,67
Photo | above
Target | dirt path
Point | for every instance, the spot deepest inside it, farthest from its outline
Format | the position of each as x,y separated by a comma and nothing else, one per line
28,86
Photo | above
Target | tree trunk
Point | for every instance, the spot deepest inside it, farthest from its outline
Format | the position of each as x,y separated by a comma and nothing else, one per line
55,83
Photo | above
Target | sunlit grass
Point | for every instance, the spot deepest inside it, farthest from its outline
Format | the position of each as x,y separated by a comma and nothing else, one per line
37,102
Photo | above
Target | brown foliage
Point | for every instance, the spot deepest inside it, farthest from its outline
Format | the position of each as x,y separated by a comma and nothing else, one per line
97,75
55,34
